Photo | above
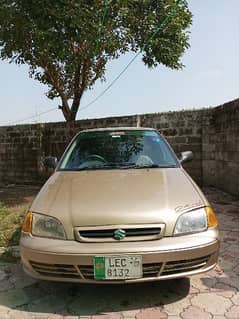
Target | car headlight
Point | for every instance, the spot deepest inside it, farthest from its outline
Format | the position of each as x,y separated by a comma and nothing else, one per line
43,226
195,221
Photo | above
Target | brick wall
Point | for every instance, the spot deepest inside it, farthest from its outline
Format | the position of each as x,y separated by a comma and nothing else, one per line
212,134
183,131
221,148
20,153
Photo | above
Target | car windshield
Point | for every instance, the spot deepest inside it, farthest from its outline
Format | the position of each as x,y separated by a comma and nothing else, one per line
123,149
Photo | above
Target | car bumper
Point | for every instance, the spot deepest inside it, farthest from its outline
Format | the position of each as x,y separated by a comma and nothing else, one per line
167,258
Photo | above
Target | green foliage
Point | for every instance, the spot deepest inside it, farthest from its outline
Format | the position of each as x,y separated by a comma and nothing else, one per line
10,226
58,39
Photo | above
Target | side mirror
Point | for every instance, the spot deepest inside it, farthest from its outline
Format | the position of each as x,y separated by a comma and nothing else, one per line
186,157
50,162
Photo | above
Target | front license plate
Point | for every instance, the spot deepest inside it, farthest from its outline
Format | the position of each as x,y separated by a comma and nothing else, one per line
117,267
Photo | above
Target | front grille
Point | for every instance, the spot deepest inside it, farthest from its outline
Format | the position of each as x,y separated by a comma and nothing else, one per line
149,270
179,266
132,233
87,271
153,270
55,270
129,232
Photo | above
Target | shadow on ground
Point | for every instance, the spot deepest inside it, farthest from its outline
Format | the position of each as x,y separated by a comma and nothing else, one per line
86,300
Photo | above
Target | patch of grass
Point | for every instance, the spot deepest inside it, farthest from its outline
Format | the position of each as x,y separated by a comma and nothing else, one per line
10,226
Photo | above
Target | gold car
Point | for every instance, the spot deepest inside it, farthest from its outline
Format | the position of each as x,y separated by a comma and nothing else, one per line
119,208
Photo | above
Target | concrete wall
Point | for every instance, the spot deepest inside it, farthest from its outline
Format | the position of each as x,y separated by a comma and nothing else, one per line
212,134
220,148
20,153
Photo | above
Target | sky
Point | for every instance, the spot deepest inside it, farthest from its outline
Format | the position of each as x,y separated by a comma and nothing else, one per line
210,76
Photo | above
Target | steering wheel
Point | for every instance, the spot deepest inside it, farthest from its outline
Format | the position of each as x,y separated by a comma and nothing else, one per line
95,157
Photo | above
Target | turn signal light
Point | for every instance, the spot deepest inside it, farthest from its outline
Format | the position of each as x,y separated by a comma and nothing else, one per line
211,217
27,224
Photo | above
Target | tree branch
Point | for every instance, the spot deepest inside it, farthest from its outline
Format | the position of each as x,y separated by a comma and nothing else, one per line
80,82
55,82
99,65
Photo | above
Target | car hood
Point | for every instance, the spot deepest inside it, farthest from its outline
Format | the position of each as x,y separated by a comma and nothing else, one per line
118,197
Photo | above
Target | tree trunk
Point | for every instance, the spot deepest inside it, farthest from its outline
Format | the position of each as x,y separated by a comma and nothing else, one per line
70,112
70,117
70,128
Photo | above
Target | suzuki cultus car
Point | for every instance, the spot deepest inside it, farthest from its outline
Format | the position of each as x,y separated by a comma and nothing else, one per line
119,208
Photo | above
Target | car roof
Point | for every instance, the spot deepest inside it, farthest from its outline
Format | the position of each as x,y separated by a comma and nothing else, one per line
131,128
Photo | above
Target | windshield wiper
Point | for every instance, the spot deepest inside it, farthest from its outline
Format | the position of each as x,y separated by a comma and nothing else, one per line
135,166
92,168
120,166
